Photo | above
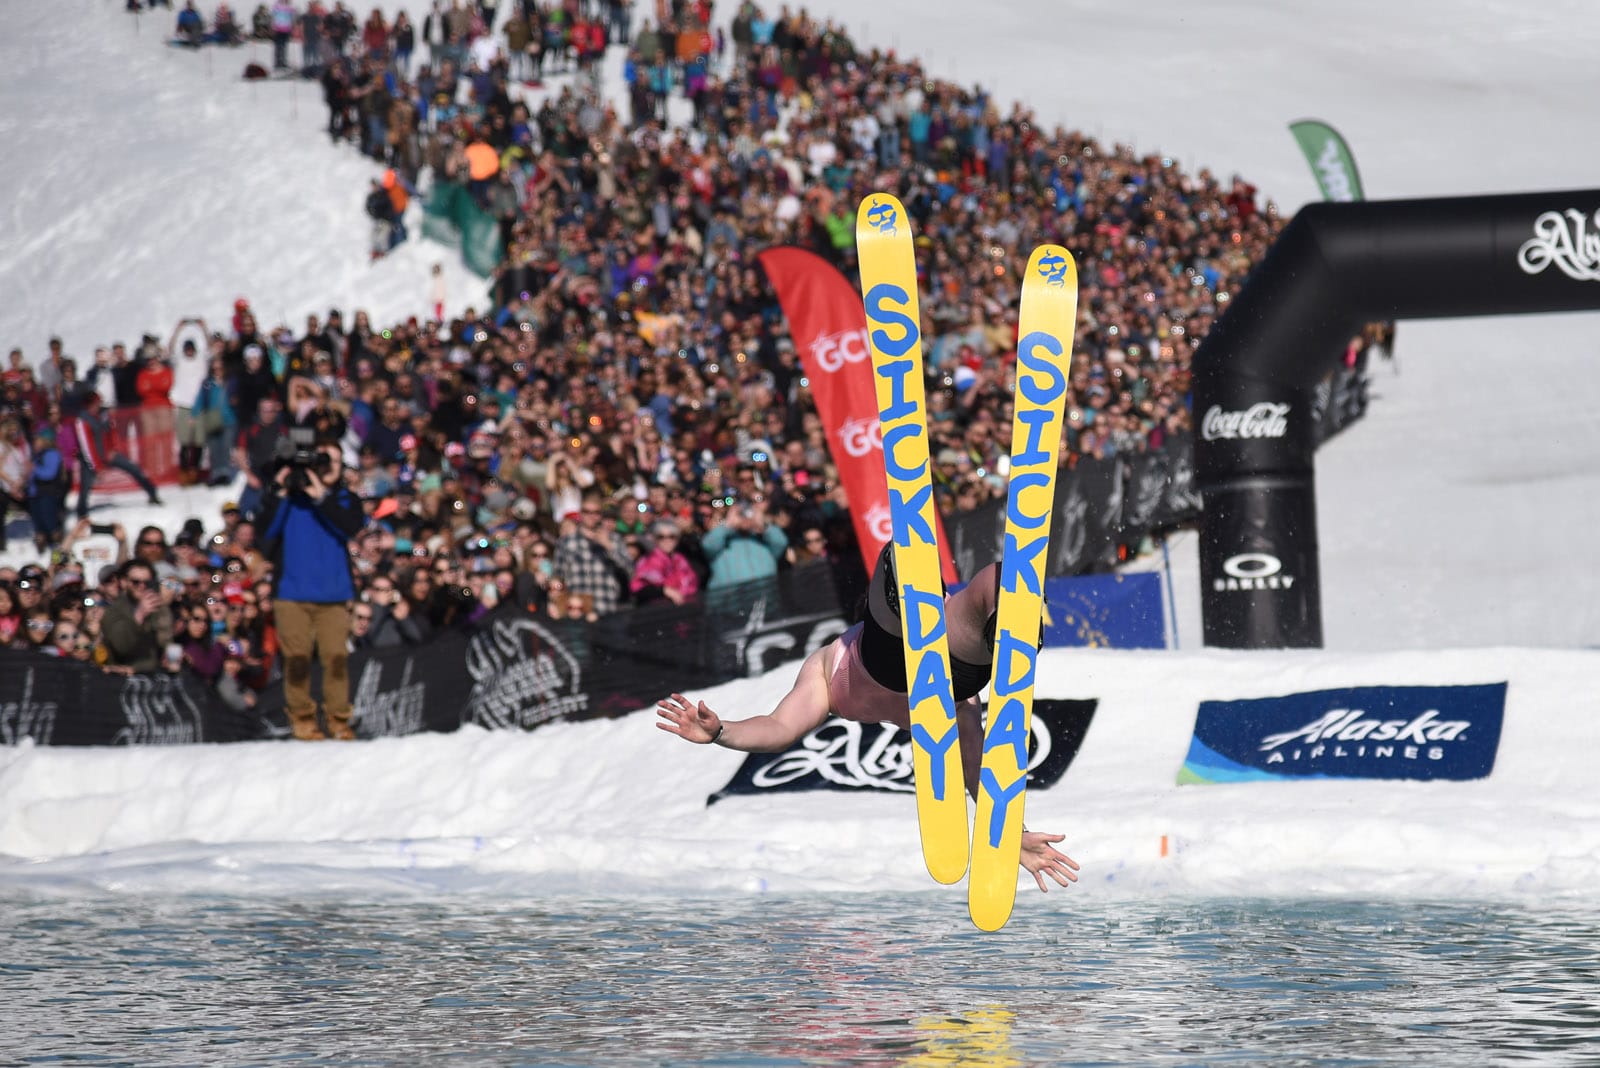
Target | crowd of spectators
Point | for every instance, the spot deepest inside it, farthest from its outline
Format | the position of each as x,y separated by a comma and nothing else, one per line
627,421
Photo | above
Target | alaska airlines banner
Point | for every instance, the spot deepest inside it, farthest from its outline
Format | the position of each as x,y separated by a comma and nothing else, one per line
845,755
1366,732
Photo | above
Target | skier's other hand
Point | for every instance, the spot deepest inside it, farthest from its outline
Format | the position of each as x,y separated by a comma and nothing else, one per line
1040,857
688,720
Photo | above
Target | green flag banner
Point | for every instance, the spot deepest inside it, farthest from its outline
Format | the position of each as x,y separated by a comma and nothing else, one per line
1330,159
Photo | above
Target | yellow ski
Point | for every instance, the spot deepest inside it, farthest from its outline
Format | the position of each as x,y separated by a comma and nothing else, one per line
889,288
1044,357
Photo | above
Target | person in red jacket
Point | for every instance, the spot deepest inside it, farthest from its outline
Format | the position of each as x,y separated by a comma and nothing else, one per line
155,384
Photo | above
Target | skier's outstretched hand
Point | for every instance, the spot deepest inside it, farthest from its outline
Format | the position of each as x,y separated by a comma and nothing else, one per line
688,720
1041,857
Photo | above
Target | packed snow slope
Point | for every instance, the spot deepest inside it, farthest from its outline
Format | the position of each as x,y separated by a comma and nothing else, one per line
620,807
146,183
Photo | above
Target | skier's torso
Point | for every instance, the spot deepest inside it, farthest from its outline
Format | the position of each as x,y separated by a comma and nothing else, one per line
852,692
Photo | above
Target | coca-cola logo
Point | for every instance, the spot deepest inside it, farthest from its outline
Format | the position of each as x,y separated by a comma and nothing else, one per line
1565,239
833,351
857,437
1264,420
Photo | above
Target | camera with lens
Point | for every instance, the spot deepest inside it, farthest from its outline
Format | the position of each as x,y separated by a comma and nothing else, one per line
297,450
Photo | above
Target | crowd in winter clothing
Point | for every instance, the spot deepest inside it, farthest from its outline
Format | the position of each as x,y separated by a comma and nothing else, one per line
627,420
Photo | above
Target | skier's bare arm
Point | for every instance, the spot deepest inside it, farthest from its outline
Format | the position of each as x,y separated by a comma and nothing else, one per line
804,707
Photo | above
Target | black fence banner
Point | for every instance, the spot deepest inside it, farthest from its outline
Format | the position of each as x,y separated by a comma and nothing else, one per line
845,755
516,670
55,701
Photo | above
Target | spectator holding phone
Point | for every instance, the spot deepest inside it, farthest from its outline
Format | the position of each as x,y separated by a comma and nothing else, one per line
137,625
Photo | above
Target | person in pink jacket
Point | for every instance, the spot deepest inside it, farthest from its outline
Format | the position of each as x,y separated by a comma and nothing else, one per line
664,571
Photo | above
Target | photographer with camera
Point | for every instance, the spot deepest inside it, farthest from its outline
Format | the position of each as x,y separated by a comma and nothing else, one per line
308,516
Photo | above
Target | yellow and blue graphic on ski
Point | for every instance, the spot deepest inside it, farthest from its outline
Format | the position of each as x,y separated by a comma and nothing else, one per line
1044,359
889,289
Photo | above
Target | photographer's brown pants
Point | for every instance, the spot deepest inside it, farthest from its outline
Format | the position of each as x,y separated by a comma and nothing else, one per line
305,630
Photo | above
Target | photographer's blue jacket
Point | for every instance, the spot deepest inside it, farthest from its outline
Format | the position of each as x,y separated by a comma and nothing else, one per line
311,537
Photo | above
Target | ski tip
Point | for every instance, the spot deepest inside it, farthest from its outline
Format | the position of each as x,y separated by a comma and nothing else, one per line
1054,266
989,921
881,215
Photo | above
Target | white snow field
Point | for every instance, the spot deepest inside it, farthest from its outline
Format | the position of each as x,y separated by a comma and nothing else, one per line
1457,522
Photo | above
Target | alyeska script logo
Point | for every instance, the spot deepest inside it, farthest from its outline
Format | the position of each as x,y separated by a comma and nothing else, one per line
1366,732
1565,239
845,755
1264,420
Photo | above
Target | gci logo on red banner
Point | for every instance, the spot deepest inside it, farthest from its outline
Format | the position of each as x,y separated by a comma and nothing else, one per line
1252,571
857,437
833,351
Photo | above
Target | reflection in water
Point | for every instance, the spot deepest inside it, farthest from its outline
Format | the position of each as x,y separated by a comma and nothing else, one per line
857,980
982,1036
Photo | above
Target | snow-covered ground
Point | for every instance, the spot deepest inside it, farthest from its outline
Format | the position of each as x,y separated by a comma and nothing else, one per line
618,807
1458,517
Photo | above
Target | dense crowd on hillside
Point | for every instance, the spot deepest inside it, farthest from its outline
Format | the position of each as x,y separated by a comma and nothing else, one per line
629,421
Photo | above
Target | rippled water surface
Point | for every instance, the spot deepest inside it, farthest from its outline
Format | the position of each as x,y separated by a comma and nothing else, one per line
794,981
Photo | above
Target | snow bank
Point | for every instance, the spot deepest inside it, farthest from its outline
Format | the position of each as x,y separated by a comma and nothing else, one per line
619,806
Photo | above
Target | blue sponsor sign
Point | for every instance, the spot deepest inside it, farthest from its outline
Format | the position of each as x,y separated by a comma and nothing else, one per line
1106,611
1365,732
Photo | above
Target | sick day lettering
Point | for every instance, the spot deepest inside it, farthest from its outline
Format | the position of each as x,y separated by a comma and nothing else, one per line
1040,382
922,613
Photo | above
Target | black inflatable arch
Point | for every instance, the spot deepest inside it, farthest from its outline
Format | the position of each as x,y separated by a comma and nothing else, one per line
1334,268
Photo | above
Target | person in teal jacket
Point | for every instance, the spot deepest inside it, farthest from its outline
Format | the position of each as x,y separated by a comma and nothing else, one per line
213,409
744,547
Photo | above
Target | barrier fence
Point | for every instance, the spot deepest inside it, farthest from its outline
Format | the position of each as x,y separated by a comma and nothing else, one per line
514,669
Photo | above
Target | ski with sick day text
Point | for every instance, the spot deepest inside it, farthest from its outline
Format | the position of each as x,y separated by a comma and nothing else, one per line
889,289
1044,358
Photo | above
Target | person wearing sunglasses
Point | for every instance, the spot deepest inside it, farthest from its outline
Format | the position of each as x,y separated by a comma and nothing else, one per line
202,653
137,625
38,626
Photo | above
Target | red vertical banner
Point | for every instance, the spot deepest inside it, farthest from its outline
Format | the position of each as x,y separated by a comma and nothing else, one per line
829,328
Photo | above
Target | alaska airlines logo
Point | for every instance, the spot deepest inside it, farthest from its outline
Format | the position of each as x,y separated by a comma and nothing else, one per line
1354,725
1053,269
1564,239
884,218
